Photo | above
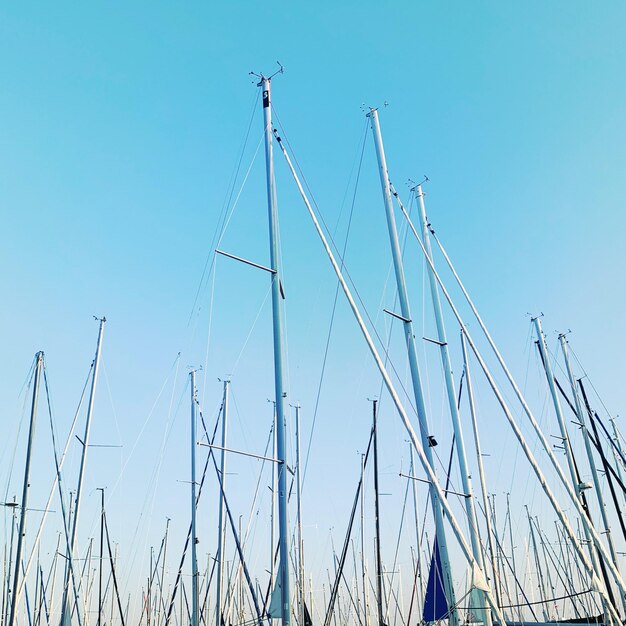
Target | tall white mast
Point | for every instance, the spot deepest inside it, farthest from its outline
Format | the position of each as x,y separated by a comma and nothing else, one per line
194,556
26,485
466,481
283,538
65,609
405,311
481,468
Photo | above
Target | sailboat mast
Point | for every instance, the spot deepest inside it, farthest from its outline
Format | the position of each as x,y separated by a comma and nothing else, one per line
379,566
543,349
481,469
540,582
363,568
101,489
592,464
283,539
299,517
413,363
24,502
194,556
65,610
617,451
7,591
220,523
418,541
273,504
470,504
83,458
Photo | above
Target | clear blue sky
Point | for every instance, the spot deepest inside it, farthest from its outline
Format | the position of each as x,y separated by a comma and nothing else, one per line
120,127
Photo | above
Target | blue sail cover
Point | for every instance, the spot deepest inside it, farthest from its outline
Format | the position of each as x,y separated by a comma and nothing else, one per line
435,602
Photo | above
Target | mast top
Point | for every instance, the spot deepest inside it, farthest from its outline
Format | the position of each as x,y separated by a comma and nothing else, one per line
371,110
417,187
262,77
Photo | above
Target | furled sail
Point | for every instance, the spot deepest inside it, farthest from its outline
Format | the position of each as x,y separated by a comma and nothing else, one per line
435,602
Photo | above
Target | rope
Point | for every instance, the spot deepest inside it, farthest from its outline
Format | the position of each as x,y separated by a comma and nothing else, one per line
567,597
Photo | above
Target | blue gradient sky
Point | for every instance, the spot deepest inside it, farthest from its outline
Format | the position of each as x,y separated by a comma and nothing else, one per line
120,127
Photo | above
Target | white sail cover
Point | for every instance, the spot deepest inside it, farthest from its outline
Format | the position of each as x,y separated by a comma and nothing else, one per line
478,578
276,601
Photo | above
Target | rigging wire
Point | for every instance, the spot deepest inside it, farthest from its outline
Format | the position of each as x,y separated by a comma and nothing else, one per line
334,309
223,213
585,375
209,329
150,494
25,387
227,219
247,339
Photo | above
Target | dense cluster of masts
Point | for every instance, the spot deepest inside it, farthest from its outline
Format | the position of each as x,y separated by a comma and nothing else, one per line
576,576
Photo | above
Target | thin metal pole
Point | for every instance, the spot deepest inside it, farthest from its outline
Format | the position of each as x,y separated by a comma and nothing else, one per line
592,464
413,362
241,611
162,583
557,405
26,486
363,570
418,540
7,607
607,468
466,481
481,469
283,538
548,568
515,578
221,533
81,472
194,556
618,445
148,594
379,565
101,555
299,518
540,581
273,516
500,556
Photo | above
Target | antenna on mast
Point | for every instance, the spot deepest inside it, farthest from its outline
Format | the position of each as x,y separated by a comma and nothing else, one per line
413,185
368,110
262,77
